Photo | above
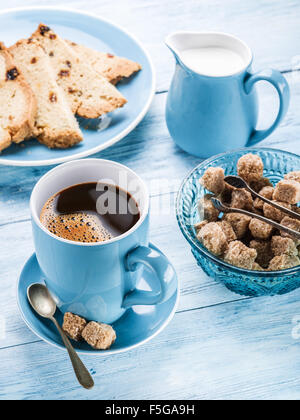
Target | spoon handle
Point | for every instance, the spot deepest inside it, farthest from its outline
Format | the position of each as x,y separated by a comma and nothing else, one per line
81,372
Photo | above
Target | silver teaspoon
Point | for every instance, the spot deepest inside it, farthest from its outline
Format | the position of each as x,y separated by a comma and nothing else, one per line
238,182
42,302
221,207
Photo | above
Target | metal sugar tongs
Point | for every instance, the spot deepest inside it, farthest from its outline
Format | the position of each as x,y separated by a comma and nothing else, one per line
238,182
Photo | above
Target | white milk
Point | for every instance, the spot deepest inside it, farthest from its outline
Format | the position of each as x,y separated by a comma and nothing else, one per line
213,61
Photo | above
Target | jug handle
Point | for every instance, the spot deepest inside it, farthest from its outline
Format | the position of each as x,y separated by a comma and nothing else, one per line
281,85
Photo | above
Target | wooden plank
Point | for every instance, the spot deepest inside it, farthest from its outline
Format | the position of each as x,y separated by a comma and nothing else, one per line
150,139
150,151
197,289
265,25
239,350
228,349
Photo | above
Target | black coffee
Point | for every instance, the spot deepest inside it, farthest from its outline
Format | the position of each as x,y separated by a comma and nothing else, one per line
91,212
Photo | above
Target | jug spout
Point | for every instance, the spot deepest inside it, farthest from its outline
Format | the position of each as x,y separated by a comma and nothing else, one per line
178,42
172,41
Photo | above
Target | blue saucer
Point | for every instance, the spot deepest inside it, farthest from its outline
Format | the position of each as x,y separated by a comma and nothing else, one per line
137,326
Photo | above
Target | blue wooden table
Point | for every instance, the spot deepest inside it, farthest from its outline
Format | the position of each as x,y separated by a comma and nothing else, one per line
219,345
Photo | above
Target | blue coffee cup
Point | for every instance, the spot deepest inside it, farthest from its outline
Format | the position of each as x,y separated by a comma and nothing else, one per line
98,280
208,114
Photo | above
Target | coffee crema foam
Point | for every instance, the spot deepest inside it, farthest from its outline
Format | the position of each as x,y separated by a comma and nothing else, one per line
79,227
90,212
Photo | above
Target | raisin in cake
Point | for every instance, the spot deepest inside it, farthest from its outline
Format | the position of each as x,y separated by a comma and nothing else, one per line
112,67
89,94
17,102
55,124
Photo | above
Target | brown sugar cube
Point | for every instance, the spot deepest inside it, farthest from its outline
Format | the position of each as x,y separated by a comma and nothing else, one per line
257,267
274,214
213,180
292,224
260,229
241,199
99,336
296,209
288,191
257,211
239,223
266,192
281,245
264,252
73,326
207,210
240,255
226,194
250,167
295,176
260,184
213,238
198,226
228,230
282,262
258,204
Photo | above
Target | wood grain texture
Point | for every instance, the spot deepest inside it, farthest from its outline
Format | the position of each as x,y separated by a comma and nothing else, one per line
197,290
145,151
219,345
270,27
231,351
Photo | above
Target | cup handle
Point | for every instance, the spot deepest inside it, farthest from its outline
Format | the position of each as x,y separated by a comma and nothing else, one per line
163,270
281,85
